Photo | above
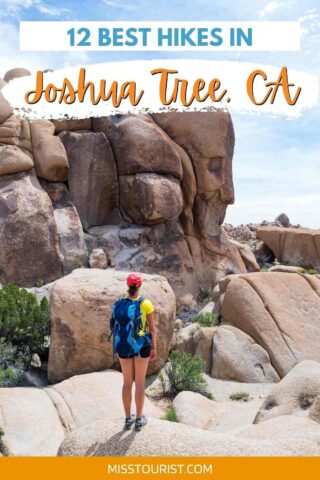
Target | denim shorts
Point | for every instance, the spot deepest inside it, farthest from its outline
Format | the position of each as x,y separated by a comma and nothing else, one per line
144,353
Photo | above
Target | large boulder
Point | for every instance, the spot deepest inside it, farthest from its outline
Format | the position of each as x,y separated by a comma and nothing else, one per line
279,311
30,422
14,160
16,73
29,240
98,259
49,153
283,219
294,246
92,180
208,138
71,237
16,131
247,256
5,109
140,146
36,420
197,340
170,174
279,428
236,356
81,305
294,395
162,438
160,249
150,198
219,416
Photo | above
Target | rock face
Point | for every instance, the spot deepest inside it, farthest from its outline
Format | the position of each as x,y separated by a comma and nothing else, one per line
294,246
72,125
197,340
236,356
161,183
162,198
28,234
16,131
14,160
285,426
73,248
49,153
92,177
81,306
219,415
98,259
279,311
36,420
189,158
164,438
248,257
295,394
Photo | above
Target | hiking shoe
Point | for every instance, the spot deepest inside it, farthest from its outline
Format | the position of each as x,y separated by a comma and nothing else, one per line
140,422
129,422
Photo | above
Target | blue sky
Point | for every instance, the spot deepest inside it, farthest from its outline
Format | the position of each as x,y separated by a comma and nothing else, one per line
276,161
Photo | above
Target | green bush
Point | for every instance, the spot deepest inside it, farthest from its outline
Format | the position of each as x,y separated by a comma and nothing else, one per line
240,396
11,365
185,373
204,296
23,321
309,271
24,324
1,433
171,415
207,319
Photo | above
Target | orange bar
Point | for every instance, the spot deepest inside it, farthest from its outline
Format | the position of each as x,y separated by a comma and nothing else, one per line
175,468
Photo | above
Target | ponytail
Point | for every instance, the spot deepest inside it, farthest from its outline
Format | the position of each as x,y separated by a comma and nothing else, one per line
132,290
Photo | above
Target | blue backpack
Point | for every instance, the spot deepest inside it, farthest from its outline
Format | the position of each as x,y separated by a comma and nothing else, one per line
125,325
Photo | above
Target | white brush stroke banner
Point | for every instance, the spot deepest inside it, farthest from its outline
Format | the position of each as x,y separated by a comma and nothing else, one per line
232,75
160,36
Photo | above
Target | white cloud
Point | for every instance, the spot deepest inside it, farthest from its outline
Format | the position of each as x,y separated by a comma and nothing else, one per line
11,57
120,4
14,7
271,7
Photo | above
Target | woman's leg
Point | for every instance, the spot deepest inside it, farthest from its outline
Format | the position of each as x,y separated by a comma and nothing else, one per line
127,369
140,370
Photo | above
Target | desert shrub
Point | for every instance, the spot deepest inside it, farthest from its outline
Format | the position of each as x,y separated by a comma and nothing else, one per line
171,415
23,321
239,396
11,365
1,433
207,319
309,271
185,373
24,324
204,296
162,383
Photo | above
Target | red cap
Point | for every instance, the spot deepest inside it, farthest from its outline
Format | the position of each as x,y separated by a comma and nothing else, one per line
134,279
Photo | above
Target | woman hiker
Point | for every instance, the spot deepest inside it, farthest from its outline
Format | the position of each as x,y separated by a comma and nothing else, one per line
133,328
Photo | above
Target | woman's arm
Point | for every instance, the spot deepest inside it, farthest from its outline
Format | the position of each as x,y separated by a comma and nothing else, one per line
152,329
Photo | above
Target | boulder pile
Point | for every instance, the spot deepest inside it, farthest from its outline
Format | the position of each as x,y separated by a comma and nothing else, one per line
81,306
150,191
